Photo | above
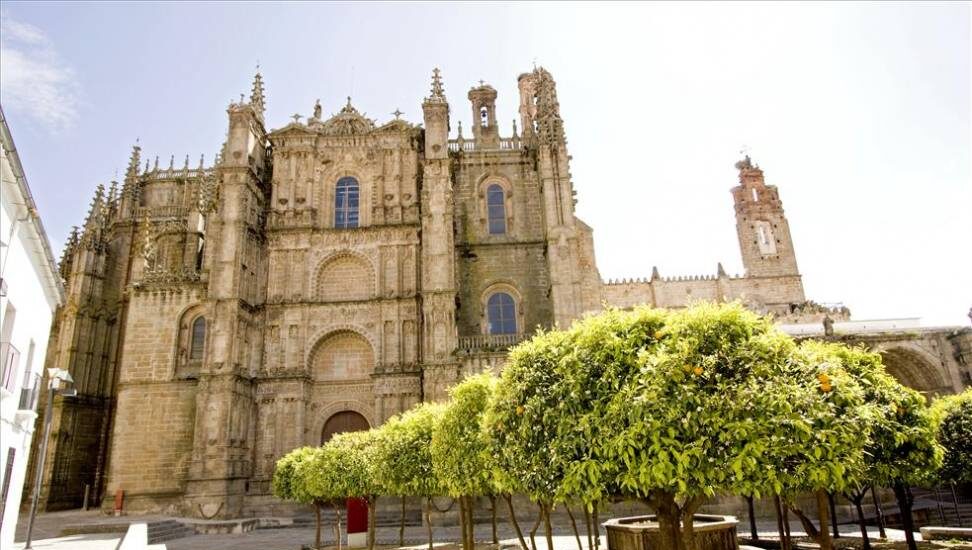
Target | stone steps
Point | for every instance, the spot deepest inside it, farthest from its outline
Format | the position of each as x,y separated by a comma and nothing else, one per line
166,530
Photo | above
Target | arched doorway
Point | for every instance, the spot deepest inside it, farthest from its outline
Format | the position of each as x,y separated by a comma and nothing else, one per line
344,421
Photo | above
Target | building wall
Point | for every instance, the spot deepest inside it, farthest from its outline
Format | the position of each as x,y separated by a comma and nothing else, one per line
31,292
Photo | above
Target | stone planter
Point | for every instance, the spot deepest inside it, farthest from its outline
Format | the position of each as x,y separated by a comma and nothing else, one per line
641,533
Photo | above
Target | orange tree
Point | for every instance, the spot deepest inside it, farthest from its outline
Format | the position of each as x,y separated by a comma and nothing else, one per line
406,457
460,455
289,484
901,448
955,436
712,410
357,473
819,447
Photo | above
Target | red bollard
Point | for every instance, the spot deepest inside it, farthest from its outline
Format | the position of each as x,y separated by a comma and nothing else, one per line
357,522
119,501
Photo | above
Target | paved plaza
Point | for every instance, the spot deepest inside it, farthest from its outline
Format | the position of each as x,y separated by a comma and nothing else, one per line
48,528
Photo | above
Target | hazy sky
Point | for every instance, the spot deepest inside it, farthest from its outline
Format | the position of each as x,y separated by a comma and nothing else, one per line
859,113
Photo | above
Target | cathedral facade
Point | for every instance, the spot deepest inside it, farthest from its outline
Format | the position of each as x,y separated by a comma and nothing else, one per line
325,276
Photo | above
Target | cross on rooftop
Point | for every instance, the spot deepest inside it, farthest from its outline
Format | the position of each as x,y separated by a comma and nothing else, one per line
481,82
296,118
397,113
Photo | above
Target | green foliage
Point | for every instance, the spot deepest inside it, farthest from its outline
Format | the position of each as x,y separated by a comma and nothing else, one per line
708,399
601,358
362,464
406,454
521,420
954,413
287,483
346,466
702,414
460,455
824,422
901,428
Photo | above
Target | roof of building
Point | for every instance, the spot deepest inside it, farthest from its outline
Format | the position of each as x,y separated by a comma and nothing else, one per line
40,241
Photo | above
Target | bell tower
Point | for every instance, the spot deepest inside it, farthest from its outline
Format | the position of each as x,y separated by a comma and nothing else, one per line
761,226
483,99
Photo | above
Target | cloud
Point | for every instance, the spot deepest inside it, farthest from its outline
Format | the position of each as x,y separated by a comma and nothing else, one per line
35,81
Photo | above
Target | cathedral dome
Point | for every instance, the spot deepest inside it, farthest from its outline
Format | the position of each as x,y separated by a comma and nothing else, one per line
348,122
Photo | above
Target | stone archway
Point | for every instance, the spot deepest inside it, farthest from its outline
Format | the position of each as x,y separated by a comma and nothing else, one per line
344,421
915,370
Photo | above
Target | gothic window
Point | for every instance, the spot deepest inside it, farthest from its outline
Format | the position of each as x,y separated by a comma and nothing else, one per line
346,203
501,314
496,209
198,339
765,239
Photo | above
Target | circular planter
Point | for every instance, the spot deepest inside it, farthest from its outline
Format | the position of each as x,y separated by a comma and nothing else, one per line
641,533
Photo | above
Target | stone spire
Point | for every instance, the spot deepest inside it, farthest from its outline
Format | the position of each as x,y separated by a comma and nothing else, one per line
67,256
134,163
438,94
94,219
257,99
550,126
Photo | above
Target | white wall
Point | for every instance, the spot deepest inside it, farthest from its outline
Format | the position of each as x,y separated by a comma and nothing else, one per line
24,267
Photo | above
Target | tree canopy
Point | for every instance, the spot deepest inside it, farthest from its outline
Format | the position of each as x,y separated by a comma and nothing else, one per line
459,450
955,436
407,452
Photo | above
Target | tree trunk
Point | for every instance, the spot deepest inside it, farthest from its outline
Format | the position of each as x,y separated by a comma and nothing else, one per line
597,528
464,536
779,521
428,520
807,523
516,524
903,496
833,514
823,514
880,514
753,533
860,520
573,525
371,521
958,515
587,521
546,525
938,500
337,524
669,520
401,526
533,531
317,521
492,502
787,536
688,528
470,523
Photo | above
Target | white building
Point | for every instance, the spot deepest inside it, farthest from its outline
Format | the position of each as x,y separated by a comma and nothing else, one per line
30,290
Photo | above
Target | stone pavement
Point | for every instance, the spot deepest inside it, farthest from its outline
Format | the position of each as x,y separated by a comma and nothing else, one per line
48,527
98,541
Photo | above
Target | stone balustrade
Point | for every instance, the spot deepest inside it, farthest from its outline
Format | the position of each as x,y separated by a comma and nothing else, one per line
489,342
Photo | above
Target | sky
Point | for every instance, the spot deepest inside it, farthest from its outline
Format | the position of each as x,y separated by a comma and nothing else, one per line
859,113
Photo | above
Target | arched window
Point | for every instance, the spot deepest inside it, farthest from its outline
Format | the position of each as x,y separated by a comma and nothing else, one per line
346,203
198,340
496,209
501,314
